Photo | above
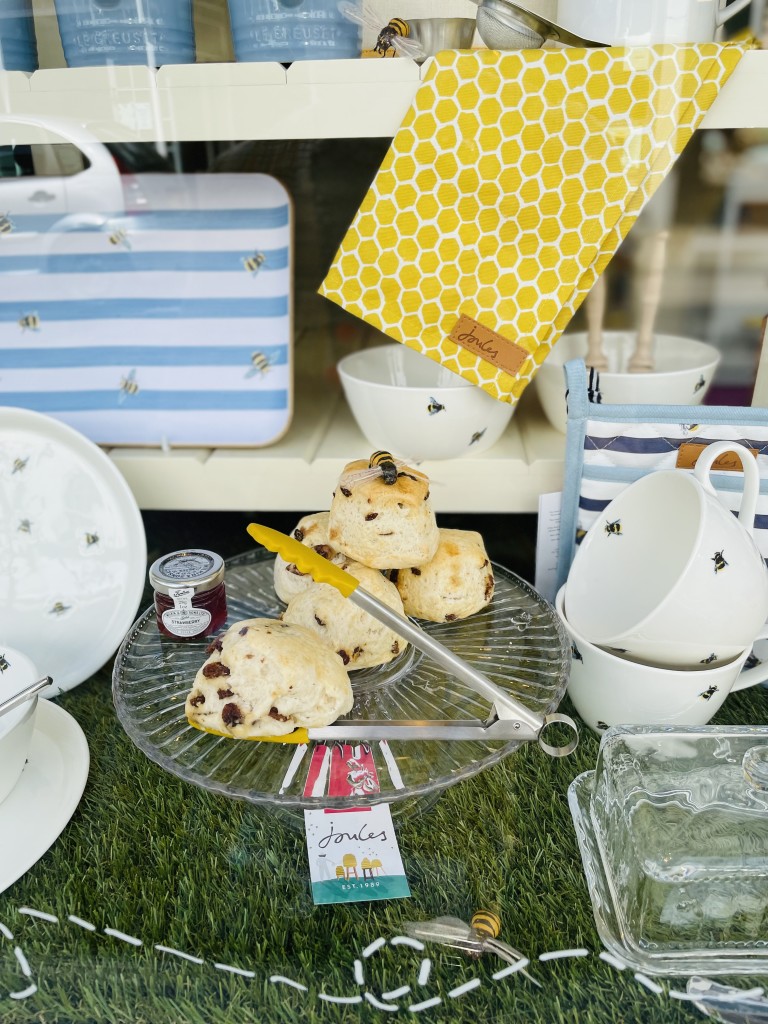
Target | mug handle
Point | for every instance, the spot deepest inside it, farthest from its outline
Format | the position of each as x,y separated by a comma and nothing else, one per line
726,13
751,490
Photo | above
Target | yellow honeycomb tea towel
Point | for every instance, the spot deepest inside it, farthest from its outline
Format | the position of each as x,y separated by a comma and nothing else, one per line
510,184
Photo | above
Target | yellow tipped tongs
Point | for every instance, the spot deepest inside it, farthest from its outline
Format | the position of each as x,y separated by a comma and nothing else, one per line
509,719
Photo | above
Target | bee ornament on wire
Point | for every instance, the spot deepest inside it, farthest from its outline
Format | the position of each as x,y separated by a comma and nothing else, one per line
128,386
260,364
396,29
254,263
29,322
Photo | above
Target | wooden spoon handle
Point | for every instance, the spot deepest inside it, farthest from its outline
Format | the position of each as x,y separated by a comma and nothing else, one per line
642,357
595,310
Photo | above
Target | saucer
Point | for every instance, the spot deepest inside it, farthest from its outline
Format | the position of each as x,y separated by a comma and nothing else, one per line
73,548
47,793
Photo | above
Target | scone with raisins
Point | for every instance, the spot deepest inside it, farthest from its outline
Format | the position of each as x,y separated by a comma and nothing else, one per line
360,640
454,584
267,678
311,530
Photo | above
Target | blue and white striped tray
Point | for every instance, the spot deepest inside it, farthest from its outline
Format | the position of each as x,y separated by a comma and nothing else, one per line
170,324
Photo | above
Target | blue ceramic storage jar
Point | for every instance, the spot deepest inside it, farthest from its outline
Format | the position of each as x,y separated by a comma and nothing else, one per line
153,32
18,45
289,30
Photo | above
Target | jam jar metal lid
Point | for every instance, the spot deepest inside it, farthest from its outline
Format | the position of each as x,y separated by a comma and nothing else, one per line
191,567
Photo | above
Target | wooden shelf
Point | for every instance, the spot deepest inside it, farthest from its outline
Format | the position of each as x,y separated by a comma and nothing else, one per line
300,471
310,99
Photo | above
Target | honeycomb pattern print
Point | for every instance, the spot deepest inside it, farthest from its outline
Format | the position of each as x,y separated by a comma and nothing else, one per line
510,185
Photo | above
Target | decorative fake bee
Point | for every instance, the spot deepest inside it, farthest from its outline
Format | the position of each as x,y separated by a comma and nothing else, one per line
576,653
708,661
120,237
30,322
19,464
720,562
386,38
707,695
699,385
6,224
477,435
253,264
4,663
259,364
434,406
614,528
381,464
384,462
91,539
24,526
486,923
59,608
128,386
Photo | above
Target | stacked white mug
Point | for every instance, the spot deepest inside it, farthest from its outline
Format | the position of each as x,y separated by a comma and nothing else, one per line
665,597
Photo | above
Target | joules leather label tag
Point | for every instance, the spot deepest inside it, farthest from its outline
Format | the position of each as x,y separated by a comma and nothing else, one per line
482,341
688,454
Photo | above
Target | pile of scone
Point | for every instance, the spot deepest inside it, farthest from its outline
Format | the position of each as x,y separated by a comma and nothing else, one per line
267,677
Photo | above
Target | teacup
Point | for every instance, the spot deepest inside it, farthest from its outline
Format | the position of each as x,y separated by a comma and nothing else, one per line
16,725
645,22
667,574
609,690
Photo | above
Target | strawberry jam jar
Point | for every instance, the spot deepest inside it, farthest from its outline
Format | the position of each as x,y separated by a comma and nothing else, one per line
190,600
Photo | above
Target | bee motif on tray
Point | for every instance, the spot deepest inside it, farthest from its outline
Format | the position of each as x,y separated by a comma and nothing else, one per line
259,364
91,539
477,435
699,385
4,663
386,38
708,660
707,694
19,465
59,608
128,386
30,322
120,237
720,562
253,264
613,529
24,526
434,406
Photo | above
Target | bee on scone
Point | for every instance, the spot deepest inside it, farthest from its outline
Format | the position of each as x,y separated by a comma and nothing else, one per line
30,322
381,464
253,264
614,528
708,694
385,40
259,364
120,237
19,465
6,224
128,386
434,406
699,385
720,562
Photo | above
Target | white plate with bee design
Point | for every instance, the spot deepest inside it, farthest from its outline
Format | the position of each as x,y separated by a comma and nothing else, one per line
73,551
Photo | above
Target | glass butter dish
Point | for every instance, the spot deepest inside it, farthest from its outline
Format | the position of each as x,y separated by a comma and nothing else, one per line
673,832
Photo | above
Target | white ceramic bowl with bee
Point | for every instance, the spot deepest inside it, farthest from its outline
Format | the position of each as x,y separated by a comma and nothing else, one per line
16,725
684,368
415,408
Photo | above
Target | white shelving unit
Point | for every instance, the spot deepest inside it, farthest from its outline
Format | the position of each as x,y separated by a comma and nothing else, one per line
323,99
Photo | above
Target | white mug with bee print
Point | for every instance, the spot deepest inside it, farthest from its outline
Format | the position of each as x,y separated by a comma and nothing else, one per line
668,575
607,689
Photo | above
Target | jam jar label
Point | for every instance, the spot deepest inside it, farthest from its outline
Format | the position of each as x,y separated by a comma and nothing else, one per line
184,619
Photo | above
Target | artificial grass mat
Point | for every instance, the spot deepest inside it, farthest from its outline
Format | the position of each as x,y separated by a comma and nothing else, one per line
157,858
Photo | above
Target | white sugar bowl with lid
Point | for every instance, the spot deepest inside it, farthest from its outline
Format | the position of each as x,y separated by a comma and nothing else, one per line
17,673
667,574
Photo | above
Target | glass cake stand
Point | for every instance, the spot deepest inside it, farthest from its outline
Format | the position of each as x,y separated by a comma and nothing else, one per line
517,641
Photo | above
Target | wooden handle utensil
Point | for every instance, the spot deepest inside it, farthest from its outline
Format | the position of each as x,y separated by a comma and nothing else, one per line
642,357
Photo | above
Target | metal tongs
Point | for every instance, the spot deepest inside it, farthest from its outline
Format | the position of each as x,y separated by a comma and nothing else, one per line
509,719
24,695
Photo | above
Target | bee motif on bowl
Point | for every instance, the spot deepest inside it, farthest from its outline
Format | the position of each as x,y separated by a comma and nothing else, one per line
709,693
720,562
477,436
434,406
699,384
613,529
19,465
